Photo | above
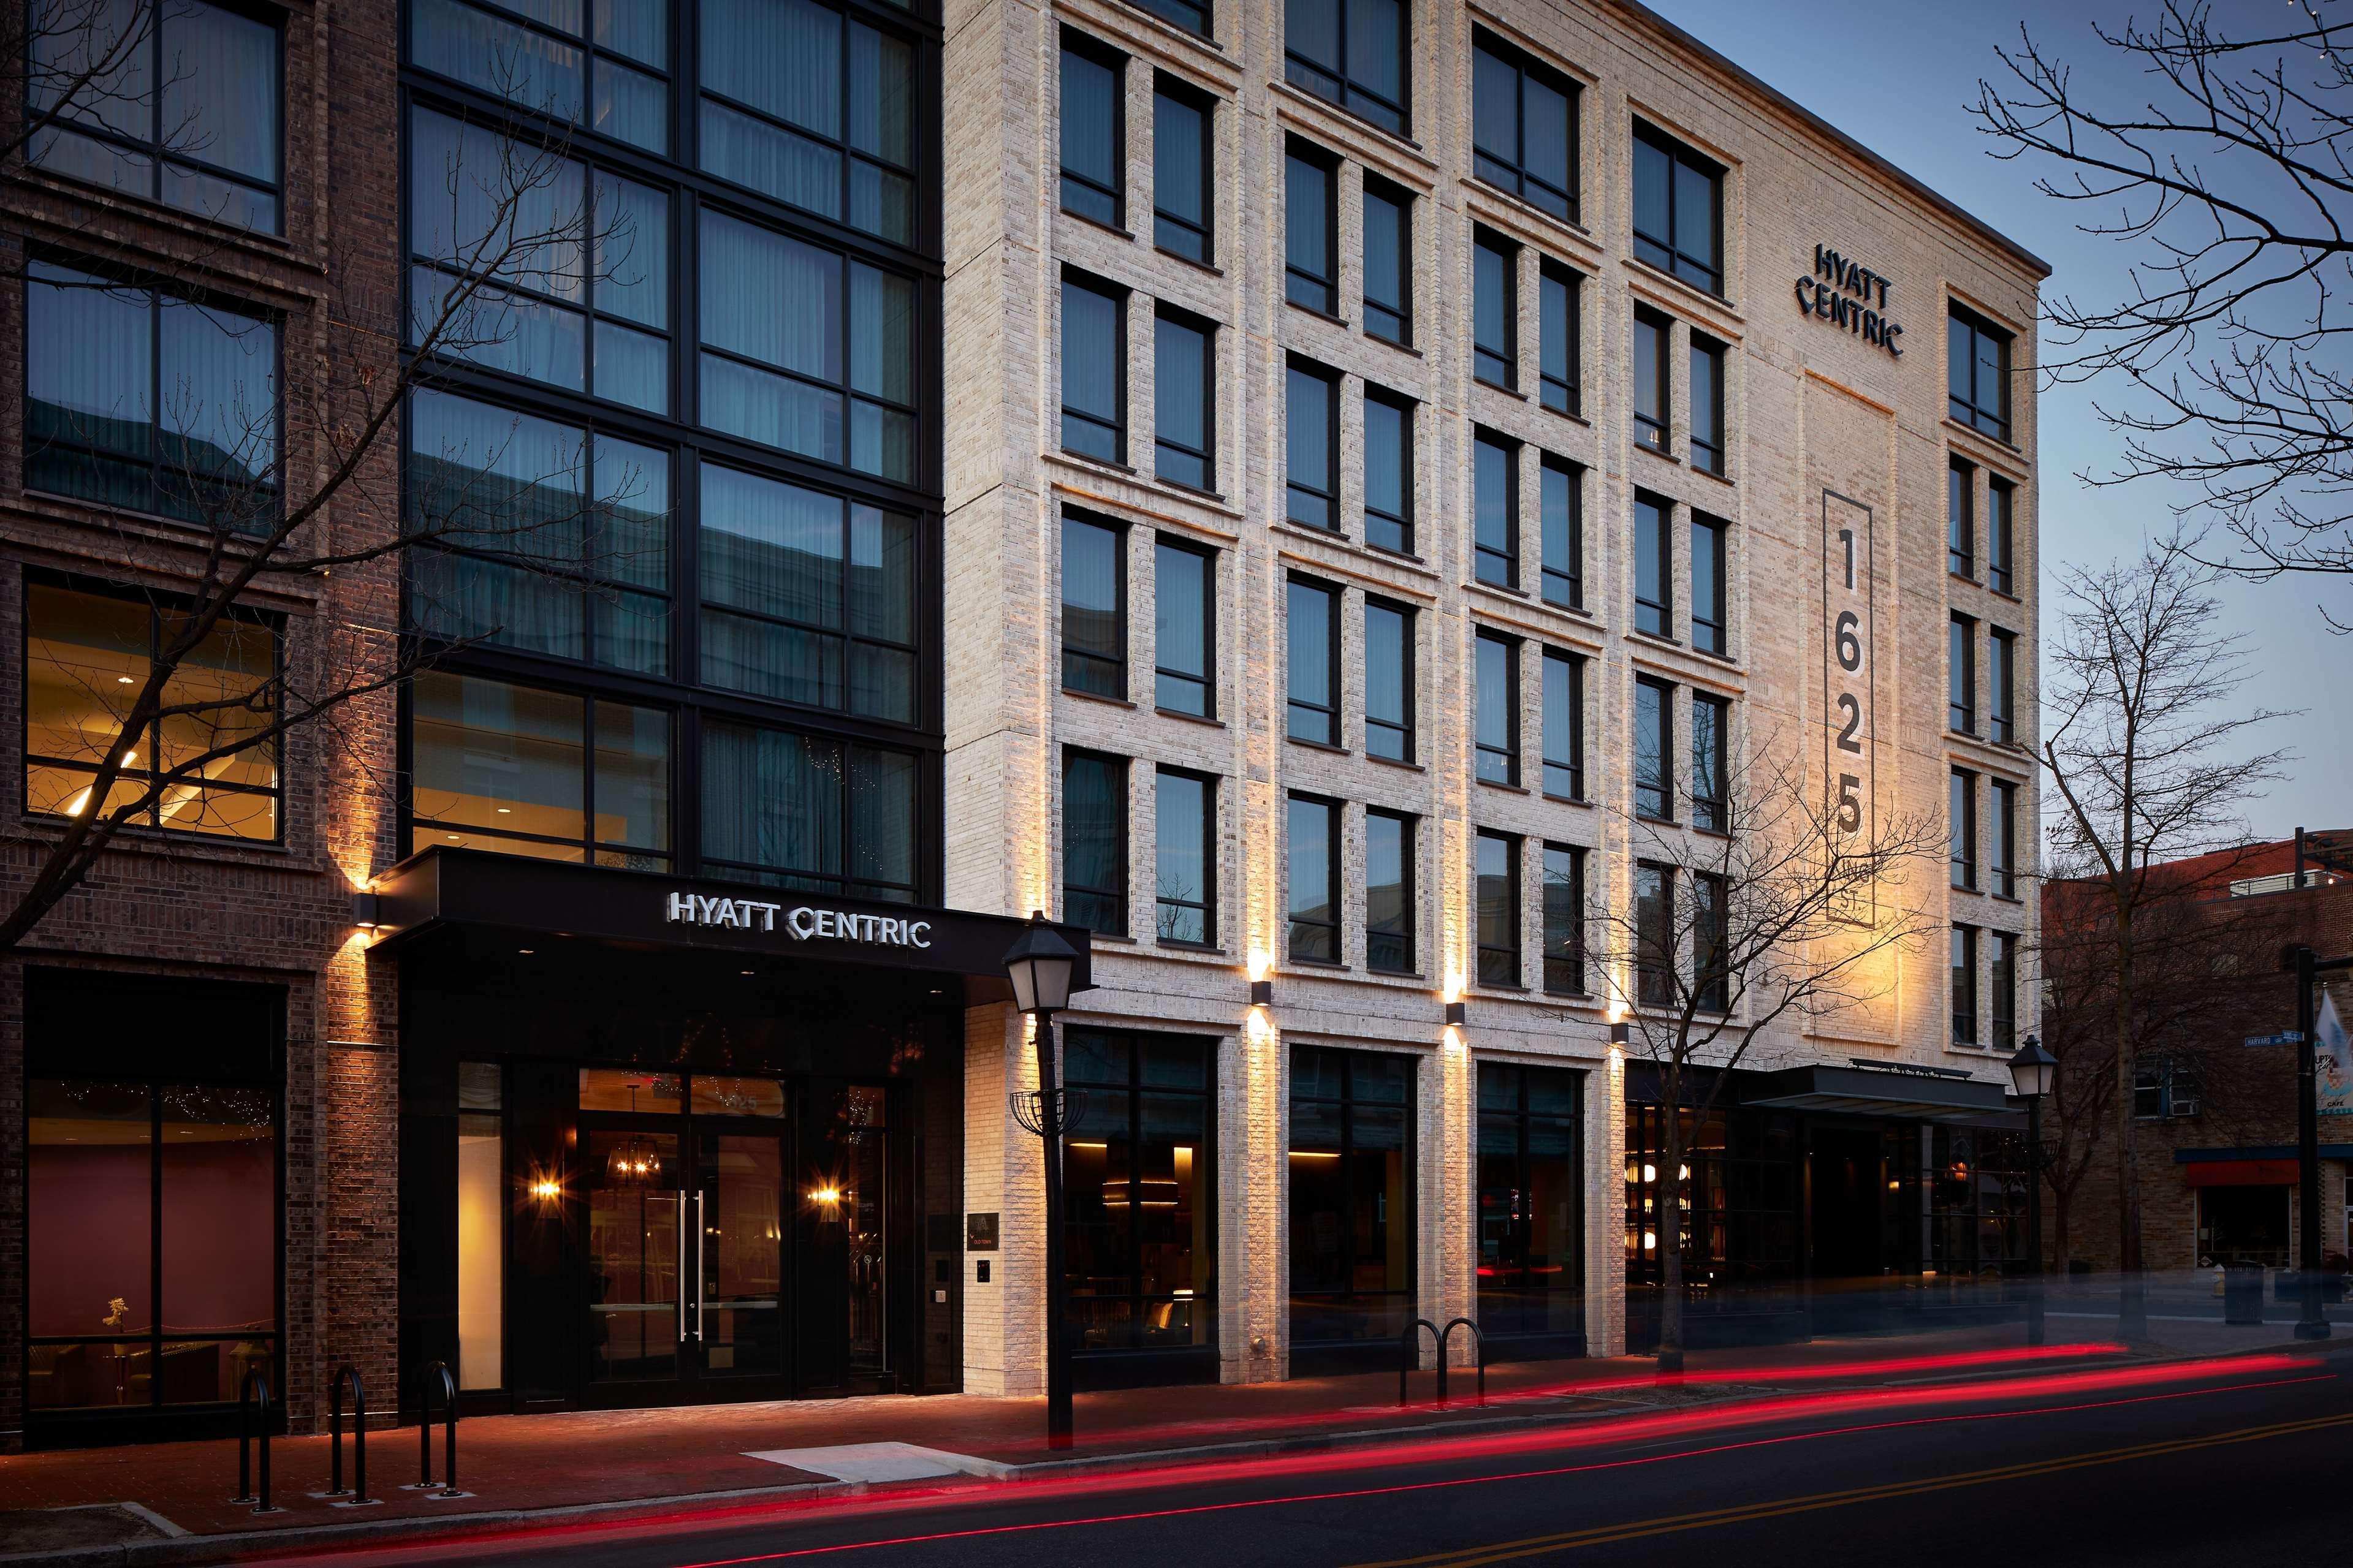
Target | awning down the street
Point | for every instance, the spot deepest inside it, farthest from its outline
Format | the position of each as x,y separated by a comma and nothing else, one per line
1918,1094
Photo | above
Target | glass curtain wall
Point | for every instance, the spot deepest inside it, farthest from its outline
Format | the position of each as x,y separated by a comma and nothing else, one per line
1352,1196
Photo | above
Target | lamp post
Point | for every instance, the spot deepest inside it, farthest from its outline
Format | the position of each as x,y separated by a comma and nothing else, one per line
1040,963
2030,1072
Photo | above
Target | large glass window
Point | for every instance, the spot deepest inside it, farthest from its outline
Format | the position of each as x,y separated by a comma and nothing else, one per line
1711,740
1961,672
1654,748
1564,920
798,102
1186,14
1311,636
2002,513
1654,568
600,66
2001,673
788,329
1708,438
1711,933
1183,400
1139,1206
1094,118
808,598
1388,471
1183,159
1960,527
2003,859
799,811
1496,870
1562,522
87,656
1496,733
1654,934
1560,324
1094,842
1185,888
1678,209
140,399
1495,510
2002,1009
1094,370
544,536
1351,52
1740,1233
1184,638
1707,564
1653,391
1531,1218
1389,680
1311,228
1094,606
1563,725
1976,373
1964,985
1352,1195
1388,892
1388,262
1964,829
175,101
549,775
1523,126
1495,309
1311,445
1312,862
482,1208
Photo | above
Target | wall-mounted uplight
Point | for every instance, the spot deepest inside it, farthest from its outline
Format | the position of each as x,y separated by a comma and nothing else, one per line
1457,1009
367,910
1261,981
1621,1034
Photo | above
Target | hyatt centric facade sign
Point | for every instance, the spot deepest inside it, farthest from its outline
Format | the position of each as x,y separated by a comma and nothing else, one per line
802,922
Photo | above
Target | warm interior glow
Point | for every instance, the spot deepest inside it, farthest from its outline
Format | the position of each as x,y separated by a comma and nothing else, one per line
1314,1154
826,1196
546,1191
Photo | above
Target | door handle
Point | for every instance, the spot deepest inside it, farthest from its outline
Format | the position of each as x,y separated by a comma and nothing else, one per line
681,1267
698,1265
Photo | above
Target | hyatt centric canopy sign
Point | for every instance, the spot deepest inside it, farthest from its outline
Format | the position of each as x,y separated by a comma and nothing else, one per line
802,922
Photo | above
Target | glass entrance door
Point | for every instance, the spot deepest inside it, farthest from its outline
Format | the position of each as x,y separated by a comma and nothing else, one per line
737,1311
637,1221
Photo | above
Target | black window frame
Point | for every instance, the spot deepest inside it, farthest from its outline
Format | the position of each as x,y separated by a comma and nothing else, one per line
1666,252
1496,364
1961,675
1498,965
1961,816
842,883
1711,764
1183,15
1206,453
1206,904
1087,283
1391,320
1710,447
1965,400
1655,617
1710,628
1654,798
1524,1295
2001,533
1653,428
1564,763
1201,245
1494,762
2002,686
1403,727
1116,898
1293,490
2001,853
1161,673
1960,518
1116,665
1332,83
1315,291
1655,969
1711,930
1335,928
2001,987
1503,560
1394,529
1962,980
1513,176
1564,941
1103,57
1372,1312
1295,704
1561,337
1401,959
1561,575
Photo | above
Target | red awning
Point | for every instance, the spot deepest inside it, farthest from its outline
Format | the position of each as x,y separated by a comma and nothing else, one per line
2241,1173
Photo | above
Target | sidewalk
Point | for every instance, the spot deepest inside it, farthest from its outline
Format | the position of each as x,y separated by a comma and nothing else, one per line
576,1459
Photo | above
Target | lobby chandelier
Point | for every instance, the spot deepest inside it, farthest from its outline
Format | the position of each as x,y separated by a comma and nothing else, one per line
634,1163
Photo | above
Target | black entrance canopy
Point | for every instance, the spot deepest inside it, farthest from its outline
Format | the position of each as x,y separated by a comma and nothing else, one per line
1921,1094
443,888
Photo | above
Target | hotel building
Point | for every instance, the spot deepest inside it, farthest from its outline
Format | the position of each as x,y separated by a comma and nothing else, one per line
1293,490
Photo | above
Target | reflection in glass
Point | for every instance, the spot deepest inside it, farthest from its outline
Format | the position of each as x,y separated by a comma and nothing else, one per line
1136,1172
1530,1218
631,1257
1351,1198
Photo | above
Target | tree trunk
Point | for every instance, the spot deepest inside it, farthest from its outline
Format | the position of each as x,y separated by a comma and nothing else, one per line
1668,1225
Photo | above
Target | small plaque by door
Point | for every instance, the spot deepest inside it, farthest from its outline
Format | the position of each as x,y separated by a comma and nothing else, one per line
980,1233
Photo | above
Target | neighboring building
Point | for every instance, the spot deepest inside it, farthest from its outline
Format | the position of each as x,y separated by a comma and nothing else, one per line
2214,1086
1270,495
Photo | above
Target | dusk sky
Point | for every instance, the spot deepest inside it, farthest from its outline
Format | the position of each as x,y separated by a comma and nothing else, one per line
1901,81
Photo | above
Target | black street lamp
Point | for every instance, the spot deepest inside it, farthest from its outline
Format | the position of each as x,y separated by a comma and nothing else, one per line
2032,1071
1040,965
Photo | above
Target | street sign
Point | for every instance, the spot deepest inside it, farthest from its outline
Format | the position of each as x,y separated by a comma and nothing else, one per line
2284,1037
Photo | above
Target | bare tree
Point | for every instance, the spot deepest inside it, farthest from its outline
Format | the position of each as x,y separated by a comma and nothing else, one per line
1781,918
267,483
2143,740
2225,168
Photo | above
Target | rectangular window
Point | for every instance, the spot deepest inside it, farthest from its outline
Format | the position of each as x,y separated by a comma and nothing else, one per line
87,656
1976,373
1965,830
1654,748
1184,155
1563,725
2004,857
2003,982
1707,562
1184,626
1563,523
1389,680
1313,864
1495,309
1707,439
1185,895
1678,209
2149,1095
1524,126
1388,892
1711,765
1194,18
1560,324
1350,52
1311,228
1351,1167
206,142
1184,411
1094,370
1312,633
1564,920
481,1194
1094,842
1495,508
1654,934
1388,262
2002,511
1530,1199
795,811
547,774
1962,661
1094,606
2001,658
1497,739
1960,524
1964,985
764,368
1711,932
1654,566
1653,390
138,399
798,102
808,598
1139,1190
544,536
1498,895
1311,445
1094,125
1388,471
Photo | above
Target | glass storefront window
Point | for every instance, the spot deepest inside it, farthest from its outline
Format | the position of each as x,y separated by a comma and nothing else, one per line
631,1089
1740,1221
1140,1206
712,1095
482,1228
1531,1222
1352,1200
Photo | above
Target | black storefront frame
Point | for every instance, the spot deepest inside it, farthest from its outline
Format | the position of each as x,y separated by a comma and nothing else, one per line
1513,1342
1310,1357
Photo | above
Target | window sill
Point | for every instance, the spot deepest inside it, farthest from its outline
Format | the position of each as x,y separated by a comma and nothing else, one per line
1200,40
1573,415
1520,206
1724,480
1397,762
1190,948
1482,583
1339,321
1107,464
1403,348
1685,287
146,835
147,209
1210,267
1968,577
1204,720
1498,386
1642,816
1500,784
1723,658
1282,88
1328,965
1499,988
1405,555
1661,638
1122,937
1585,801
1181,488
1318,746
1098,223
1659,452
1099,697
2002,442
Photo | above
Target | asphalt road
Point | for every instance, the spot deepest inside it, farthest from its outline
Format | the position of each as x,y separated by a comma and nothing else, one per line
2221,1463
